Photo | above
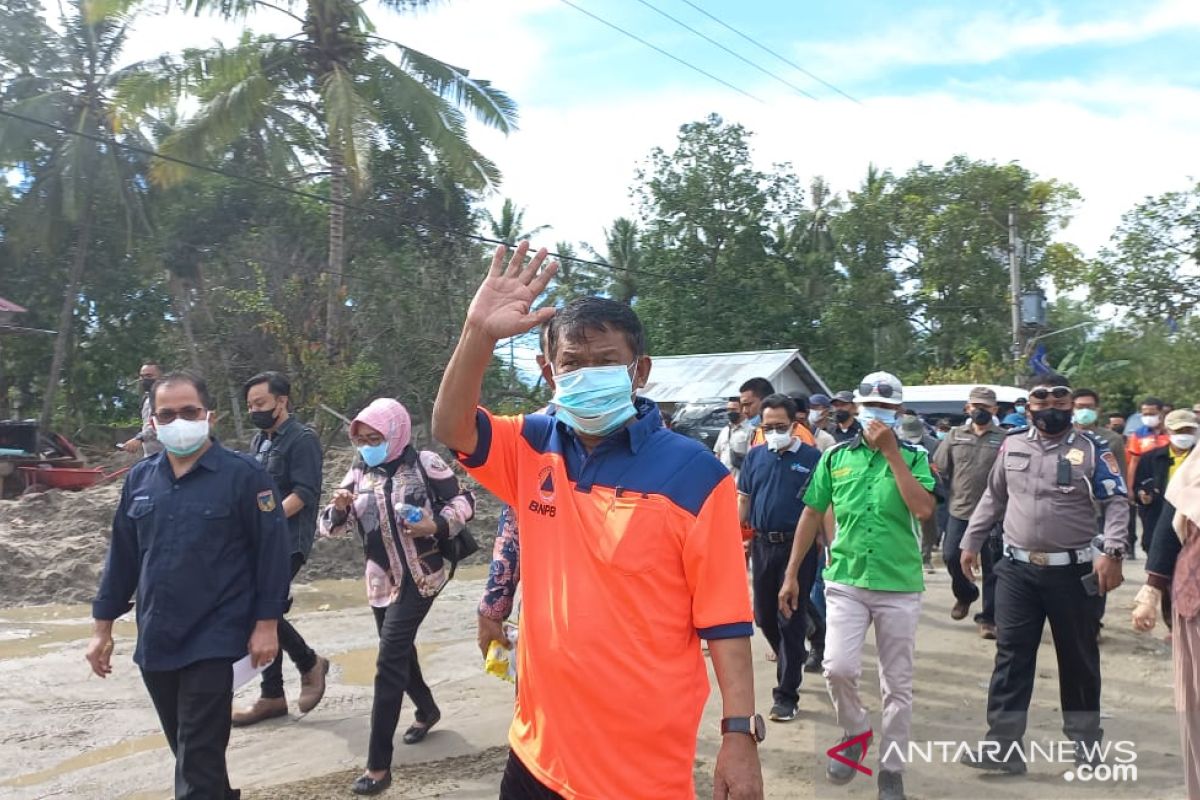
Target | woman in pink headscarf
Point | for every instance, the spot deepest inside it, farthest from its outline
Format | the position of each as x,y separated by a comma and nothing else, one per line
401,502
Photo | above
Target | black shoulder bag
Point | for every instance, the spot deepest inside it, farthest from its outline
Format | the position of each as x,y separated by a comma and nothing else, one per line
453,549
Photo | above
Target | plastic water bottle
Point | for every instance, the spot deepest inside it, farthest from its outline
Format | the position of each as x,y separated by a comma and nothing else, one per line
411,514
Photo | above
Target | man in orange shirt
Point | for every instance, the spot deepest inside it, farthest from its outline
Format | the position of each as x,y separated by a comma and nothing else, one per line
630,553
1150,436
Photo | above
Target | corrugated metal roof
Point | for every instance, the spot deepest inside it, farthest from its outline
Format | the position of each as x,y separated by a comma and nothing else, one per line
10,306
678,379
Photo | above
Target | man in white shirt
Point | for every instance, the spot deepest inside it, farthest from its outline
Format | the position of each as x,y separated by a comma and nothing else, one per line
734,438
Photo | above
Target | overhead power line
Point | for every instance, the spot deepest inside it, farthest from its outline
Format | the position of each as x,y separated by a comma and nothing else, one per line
658,49
733,53
766,49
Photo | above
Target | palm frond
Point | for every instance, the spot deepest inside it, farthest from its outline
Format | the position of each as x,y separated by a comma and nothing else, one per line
349,120
488,104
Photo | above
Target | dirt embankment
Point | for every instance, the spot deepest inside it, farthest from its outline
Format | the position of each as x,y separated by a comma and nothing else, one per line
52,544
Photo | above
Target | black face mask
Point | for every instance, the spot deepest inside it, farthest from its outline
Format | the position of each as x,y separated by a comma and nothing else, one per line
1052,421
981,416
264,420
147,384
842,416
734,416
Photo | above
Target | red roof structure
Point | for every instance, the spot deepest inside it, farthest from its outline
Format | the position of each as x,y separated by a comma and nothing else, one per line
10,307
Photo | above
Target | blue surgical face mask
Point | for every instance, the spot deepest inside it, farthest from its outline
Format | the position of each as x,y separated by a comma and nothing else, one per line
885,415
373,455
1019,409
595,400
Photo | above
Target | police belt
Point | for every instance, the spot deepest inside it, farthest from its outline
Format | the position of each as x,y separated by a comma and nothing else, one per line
1061,559
776,537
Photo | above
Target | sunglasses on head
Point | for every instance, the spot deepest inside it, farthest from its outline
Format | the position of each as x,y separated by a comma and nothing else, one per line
880,389
190,413
1047,392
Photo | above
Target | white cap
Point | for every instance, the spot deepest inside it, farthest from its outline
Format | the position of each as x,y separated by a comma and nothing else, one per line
871,390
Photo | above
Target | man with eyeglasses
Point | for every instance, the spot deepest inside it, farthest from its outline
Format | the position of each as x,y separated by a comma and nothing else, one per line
1046,485
201,539
145,439
878,489
291,452
770,498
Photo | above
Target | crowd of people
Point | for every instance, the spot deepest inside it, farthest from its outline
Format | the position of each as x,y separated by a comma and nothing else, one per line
630,545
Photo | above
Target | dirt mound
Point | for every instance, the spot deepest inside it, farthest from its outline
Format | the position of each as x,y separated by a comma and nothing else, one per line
53,544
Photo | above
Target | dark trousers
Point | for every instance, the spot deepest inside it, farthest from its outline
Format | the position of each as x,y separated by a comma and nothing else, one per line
290,642
786,636
931,535
964,588
1026,597
193,705
518,783
397,672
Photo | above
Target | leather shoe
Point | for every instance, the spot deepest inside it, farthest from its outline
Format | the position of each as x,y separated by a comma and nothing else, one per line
960,610
264,708
365,784
417,732
987,630
891,785
312,685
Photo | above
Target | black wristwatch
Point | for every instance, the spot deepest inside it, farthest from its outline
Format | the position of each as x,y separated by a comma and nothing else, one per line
752,726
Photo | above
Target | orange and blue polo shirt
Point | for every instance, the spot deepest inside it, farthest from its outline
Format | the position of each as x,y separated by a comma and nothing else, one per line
629,554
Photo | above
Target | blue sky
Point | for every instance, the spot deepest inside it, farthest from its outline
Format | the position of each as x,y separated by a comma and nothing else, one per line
1100,93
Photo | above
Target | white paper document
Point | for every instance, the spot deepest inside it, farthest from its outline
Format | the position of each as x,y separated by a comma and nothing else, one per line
243,673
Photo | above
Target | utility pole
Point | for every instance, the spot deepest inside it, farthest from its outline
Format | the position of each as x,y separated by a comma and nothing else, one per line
1014,274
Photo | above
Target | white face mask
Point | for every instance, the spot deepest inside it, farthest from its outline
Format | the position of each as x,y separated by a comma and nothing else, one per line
1150,420
779,441
183,436
814,418
1183,441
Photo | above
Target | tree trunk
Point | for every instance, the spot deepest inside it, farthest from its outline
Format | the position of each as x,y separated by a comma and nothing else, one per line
184,307
66,314
337,249
231,391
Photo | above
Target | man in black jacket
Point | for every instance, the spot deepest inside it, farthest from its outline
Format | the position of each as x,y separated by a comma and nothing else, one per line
1156,467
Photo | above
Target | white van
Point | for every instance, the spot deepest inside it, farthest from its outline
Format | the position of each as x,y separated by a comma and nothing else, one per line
948,399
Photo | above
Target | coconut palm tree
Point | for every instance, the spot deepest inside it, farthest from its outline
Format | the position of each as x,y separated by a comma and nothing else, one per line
328,94
71,85
507,227
623,255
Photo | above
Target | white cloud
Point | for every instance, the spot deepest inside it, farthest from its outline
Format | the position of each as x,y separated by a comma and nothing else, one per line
572,165
944,37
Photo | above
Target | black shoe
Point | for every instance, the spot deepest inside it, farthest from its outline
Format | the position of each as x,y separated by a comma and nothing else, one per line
988,761
365,784
891,785
417,732
784,712
839,773
815,660
1090,753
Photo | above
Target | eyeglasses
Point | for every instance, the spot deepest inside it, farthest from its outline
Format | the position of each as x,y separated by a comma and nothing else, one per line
780,427
1044,393
880,389
370,441
191,413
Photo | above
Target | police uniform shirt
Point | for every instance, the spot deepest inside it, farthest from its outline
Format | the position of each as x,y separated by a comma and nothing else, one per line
1042,513
206,554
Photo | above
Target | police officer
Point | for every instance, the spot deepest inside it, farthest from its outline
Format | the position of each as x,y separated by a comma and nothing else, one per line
770,490
963,461
292,454
199,535
1045,485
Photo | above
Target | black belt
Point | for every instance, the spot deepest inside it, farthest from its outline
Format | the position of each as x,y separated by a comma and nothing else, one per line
776,537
